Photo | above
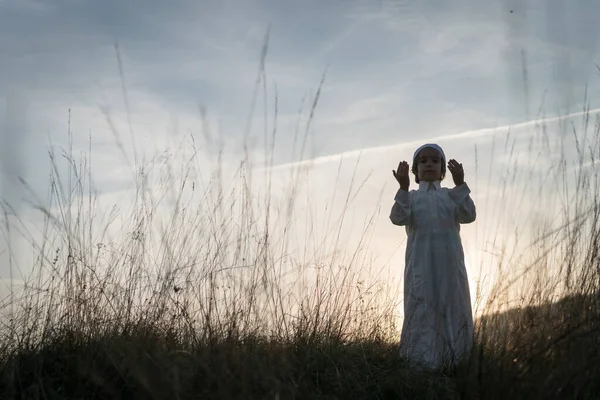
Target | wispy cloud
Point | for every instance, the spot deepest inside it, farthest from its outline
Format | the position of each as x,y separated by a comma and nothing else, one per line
399,73
467,135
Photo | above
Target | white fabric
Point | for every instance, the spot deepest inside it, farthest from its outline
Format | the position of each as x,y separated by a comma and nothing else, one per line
438,321
432,145
425,185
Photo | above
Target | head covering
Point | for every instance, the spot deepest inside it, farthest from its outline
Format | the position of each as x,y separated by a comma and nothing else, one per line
433,146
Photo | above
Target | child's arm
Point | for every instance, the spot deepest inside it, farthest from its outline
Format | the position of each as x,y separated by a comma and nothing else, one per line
401,213
465,208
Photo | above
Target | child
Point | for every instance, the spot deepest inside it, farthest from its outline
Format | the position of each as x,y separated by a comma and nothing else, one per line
438,322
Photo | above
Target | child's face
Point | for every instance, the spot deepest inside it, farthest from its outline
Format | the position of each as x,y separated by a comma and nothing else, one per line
429,165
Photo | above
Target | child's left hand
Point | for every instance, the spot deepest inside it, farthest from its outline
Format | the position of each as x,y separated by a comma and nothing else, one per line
456,169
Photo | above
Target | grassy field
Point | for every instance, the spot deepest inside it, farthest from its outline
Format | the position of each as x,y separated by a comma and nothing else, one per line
540,360
168,315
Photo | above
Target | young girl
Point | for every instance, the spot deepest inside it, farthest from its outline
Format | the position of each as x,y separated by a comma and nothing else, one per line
438,322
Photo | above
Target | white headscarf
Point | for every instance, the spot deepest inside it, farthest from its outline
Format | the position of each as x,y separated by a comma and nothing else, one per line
433,146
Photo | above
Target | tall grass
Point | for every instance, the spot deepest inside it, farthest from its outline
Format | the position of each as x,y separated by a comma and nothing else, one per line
205,290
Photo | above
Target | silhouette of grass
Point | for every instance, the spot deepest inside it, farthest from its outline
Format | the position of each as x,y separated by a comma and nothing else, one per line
212,306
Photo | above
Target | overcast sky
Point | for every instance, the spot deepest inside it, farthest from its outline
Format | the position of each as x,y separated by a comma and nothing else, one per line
396,74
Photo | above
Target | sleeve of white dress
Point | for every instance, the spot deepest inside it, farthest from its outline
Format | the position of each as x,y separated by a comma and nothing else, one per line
401,213
465,208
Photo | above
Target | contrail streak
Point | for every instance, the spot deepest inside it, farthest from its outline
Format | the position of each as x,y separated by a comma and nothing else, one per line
462,135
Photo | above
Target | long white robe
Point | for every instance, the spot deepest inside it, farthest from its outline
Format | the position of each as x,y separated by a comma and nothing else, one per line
438,321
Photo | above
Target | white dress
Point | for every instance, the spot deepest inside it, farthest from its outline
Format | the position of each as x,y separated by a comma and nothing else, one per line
438,322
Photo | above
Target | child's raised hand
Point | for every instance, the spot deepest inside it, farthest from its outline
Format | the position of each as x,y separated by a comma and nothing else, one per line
401,175
458,174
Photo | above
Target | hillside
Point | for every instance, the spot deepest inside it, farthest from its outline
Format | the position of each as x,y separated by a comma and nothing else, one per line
550,351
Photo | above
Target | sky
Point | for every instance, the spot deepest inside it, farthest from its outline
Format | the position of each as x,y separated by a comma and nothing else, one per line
129,80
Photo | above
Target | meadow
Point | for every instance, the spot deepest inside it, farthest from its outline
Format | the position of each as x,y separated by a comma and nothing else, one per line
207,303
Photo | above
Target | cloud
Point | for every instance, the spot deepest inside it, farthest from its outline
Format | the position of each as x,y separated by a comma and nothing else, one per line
199,54
467,135
398,73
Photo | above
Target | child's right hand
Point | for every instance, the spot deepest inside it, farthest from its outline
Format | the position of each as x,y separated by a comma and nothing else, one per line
401,175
